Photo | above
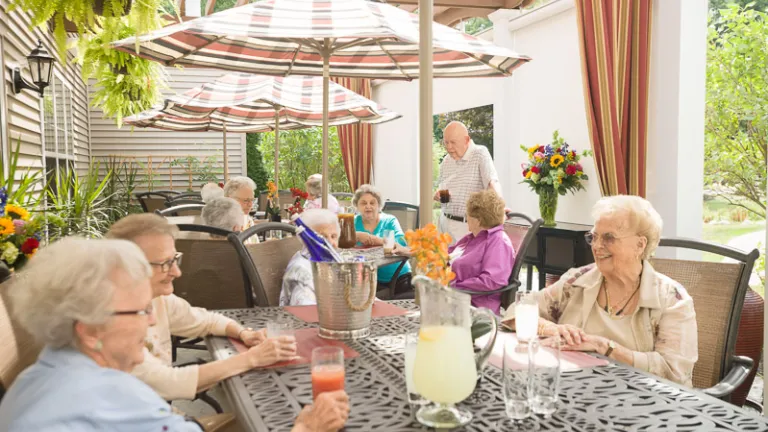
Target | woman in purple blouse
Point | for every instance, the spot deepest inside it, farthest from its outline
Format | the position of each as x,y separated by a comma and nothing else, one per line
483,259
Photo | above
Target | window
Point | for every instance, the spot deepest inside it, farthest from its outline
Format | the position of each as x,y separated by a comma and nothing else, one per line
58,135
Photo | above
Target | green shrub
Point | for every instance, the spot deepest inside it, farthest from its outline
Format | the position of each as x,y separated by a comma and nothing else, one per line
738,215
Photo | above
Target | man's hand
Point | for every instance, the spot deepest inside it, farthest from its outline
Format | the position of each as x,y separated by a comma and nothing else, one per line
437,196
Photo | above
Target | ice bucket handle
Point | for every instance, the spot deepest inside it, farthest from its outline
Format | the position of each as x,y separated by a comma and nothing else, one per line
348,293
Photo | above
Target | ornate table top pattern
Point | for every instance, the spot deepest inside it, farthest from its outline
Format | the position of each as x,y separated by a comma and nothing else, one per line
611,398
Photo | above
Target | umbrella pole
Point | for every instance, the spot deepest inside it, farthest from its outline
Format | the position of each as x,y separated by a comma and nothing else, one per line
425,112
277,150
226,164
326,83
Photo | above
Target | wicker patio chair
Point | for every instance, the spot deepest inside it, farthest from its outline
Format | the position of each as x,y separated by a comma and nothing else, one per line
265,262
718,290
183,201
182,210
155,200
406,214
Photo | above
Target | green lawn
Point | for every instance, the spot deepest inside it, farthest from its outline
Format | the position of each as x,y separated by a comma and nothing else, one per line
722,234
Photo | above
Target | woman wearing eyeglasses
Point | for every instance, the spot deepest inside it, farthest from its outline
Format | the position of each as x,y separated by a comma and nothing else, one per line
175,317
620,306
242,190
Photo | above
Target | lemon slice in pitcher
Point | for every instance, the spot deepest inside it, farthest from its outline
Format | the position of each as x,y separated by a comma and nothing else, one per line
431,334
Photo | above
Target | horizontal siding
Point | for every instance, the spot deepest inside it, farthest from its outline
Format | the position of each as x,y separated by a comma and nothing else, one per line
139,144
22,111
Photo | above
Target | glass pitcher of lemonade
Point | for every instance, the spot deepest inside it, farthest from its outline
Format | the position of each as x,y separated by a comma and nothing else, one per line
445,369
348,234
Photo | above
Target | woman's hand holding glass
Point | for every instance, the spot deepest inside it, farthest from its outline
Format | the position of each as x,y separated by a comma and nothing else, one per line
571,335
329,413
253,337
272,351
369,240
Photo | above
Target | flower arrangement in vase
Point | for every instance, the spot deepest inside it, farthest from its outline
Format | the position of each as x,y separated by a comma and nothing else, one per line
553,170
299,197
20,233
273,202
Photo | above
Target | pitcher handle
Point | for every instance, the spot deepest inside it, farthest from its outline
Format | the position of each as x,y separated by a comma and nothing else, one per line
367,304
482,357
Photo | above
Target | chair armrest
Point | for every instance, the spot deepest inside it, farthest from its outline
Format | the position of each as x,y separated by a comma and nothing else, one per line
393,281
213,423
510,287
192,363
740,369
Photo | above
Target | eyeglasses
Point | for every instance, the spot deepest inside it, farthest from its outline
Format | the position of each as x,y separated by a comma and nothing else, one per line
246,200
165,266
606,239
147,312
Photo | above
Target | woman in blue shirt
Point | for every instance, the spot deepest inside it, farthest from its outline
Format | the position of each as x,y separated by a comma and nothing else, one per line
370,224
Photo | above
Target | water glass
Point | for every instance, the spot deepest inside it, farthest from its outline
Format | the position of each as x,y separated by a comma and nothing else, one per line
526,315
279,327
389,241
516,379
545,375
327,370
411,342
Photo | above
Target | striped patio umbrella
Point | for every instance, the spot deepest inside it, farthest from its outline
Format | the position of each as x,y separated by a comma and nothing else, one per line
348,38
240,102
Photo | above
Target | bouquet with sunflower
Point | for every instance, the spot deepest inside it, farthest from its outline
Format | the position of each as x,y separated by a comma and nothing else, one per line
20,233
553,170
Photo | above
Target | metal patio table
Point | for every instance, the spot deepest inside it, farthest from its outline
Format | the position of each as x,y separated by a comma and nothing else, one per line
608,398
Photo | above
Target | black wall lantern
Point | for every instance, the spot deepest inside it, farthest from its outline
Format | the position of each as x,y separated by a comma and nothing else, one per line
41,69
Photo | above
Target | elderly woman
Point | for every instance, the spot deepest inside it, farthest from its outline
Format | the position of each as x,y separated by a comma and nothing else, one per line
483,259
210,191
175,317
620,306
370,224
298,283
224,213
241,189
314,187
89,302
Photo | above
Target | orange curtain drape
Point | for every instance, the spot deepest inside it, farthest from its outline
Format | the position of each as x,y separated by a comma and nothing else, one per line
615,43
356,140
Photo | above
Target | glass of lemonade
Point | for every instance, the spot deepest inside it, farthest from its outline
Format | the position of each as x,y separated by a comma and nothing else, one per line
526,316
411,341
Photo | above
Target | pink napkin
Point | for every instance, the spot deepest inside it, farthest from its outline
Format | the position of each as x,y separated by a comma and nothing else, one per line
569,360
306,341
380,309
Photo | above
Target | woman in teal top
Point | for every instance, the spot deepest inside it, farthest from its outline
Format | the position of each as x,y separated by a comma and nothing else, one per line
370,224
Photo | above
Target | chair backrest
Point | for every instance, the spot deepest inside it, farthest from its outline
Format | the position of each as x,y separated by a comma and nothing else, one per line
182,201
18,349
262,201
182,210
188,195
521,236
153,201
211,274
406,214
188,220
265,262
718,290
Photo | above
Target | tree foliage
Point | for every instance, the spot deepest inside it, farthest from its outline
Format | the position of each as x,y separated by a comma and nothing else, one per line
737,106
301,155
255,161
479,122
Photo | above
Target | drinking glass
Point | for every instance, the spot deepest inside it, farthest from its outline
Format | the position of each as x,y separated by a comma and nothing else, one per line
516,379
327,370
526,315
545,375
279,327
389,241
411,342
348,234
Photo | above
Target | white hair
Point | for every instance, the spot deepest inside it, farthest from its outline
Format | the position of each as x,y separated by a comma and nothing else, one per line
315,185
235,183
638,216
72,281
368,189
317,217
222,212
211,191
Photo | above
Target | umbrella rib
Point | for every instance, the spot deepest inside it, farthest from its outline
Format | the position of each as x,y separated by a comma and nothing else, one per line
502,71
351,44
194,51
293,60
397,65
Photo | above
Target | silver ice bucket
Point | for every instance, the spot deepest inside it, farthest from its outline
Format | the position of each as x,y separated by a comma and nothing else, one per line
345,294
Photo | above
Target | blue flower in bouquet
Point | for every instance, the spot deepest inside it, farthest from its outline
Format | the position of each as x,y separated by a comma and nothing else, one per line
3,200
549,151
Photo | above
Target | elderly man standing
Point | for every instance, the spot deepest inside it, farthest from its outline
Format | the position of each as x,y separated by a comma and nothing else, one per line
467,169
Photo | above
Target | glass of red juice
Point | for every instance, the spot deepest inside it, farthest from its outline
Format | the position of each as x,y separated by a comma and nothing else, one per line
327,370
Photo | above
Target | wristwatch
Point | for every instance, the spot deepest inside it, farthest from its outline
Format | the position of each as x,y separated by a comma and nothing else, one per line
611,346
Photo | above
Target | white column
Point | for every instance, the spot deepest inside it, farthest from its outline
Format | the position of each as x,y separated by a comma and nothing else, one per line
675,169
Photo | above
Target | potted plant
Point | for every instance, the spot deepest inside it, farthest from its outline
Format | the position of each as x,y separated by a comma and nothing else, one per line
553,170
273,203
298,204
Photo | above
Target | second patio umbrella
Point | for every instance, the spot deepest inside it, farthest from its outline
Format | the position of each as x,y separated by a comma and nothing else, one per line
241,102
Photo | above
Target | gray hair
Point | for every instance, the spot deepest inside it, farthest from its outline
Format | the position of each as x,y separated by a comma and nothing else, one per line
368,189
211,191
638,216
71,281
223,213
315,185
316,217
235,183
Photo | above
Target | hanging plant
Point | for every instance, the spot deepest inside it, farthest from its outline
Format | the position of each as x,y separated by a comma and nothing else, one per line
125,84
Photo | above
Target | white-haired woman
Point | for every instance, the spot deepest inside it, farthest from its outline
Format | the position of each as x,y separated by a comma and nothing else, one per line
314,187
298,285
89,302
242,189
224,213
210,191
620,306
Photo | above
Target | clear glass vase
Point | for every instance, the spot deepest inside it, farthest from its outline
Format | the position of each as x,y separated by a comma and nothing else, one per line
548,206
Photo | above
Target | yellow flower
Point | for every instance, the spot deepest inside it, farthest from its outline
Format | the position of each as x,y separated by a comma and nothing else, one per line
556,161
6,226
528,174
532,150
20,212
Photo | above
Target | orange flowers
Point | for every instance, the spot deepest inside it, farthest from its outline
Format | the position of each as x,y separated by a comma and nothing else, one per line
271,189
430,251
